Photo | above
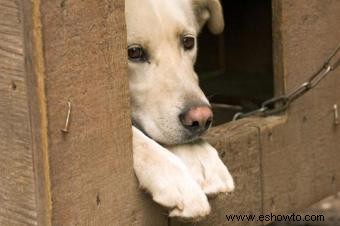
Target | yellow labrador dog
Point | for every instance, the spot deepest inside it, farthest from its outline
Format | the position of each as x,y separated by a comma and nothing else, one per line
169,110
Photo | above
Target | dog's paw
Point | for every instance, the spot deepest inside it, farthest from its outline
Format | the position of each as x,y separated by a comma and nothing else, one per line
206,167
167,179
185,200
217,178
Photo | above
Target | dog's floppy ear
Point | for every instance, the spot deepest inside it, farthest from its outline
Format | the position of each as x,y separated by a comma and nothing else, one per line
210,12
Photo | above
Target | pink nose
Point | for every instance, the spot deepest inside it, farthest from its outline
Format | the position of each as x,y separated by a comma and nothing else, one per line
197,119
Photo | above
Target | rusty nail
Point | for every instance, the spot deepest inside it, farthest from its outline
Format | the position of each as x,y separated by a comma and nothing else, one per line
67,121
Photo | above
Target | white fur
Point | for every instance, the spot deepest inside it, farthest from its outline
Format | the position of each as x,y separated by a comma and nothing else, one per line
160,90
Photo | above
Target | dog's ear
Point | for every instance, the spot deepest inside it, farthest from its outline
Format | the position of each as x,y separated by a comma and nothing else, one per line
210,12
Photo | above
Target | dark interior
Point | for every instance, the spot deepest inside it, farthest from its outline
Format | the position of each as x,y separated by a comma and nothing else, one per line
236,67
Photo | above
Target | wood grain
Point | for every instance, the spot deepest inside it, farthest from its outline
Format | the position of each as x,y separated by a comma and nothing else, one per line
17,190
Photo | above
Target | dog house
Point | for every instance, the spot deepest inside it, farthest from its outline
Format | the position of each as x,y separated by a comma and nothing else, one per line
53,53
236,68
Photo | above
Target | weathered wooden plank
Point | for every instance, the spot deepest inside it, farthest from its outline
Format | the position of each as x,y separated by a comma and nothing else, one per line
301,157
17,191
238,146
85,176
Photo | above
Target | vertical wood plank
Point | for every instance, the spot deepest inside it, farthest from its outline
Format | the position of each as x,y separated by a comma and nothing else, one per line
17,190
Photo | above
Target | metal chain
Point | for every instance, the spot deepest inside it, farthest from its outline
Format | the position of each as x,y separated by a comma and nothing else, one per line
281,103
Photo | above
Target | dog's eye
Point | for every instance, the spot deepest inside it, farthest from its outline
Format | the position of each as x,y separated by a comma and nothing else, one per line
188,42
136,53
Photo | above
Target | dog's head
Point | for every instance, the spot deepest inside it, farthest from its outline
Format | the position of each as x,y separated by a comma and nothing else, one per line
166,101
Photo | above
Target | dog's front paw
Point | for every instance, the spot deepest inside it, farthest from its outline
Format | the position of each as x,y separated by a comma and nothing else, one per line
217,178
167,179
185,199
206,167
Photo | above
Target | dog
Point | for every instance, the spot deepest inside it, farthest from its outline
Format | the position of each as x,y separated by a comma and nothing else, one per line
169,110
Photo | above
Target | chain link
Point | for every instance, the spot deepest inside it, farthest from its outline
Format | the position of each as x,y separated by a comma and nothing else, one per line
281,103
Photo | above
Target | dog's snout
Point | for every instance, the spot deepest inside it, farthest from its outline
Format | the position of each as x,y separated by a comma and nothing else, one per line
197,119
